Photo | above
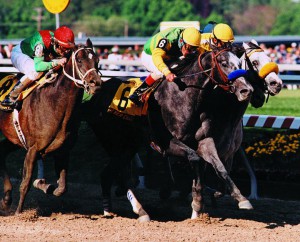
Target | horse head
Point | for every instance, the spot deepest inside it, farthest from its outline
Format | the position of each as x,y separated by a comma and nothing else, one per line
82,68
256,59
226,73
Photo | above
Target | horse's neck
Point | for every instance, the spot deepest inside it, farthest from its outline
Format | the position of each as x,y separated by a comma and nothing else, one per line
225,109
179,108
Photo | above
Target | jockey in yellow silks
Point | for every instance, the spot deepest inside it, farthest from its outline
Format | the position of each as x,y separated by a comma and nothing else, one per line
220,35
168,44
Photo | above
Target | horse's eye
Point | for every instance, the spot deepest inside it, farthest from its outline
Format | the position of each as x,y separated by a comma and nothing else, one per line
79,60
224,63
255,63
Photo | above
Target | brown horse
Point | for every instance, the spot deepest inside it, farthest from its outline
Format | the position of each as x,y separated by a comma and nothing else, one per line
49,120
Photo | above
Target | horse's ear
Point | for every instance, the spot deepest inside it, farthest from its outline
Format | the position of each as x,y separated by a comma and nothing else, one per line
246,46
254,42
89,43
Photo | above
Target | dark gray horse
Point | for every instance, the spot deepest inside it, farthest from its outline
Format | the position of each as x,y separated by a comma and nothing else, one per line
174,130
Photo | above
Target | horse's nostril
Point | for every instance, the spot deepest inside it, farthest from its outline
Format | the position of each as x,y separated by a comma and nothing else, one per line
274,84
92,83
244,91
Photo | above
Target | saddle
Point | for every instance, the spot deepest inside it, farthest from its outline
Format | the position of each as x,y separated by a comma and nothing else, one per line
8,82
123,107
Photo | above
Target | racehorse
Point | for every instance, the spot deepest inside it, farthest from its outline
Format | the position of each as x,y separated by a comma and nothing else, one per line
174,130
129,135
263,76
48,119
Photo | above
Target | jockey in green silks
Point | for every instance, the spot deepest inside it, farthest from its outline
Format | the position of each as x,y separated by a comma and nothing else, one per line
37,54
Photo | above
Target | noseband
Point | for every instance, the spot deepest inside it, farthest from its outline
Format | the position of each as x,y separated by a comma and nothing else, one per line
75,69
266,69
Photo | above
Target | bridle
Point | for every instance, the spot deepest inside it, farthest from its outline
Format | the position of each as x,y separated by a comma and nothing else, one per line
226,84
260,80
75,69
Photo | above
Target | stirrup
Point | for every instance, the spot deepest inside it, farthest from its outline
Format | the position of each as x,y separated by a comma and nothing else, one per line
136,99
8,102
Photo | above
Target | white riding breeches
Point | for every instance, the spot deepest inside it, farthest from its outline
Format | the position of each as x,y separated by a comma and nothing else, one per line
23,63
148,63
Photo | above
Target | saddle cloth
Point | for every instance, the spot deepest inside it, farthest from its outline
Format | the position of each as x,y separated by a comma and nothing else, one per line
122,106
8,82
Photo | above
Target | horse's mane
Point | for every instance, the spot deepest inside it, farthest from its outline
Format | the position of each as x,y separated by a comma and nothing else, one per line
238,50
181,65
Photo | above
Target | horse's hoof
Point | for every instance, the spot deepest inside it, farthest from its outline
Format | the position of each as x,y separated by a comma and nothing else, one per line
218,194
144,218
108,215
38,182
245,205
194,215
58,192
5,206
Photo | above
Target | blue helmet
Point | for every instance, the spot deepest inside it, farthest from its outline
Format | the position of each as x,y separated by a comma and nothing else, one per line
209,27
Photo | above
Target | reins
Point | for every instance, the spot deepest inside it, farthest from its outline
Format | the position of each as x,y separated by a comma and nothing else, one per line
226,84
78,82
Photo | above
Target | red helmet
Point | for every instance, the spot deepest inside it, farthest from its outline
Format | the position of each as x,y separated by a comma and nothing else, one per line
64,36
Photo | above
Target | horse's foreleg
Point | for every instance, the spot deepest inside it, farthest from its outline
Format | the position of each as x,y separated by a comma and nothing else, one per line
61,169
6,147
107,177
197,204
40,182
7,189
27,174
207,150
180,149
137,207
251,173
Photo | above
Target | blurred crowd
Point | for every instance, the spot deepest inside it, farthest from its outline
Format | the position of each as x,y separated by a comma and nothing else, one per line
118,54
281,54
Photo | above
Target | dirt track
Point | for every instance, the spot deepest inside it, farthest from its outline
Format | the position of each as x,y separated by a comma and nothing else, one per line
76,217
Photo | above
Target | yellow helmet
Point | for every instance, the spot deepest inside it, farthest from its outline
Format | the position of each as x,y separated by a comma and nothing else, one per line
223,32
191,36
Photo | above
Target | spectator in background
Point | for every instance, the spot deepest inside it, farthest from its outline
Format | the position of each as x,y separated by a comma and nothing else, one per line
2,52
114,56
8,49
128,55
103,56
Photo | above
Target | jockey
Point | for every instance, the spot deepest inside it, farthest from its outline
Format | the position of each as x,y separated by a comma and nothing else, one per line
209,27
219,35
37,54
168,44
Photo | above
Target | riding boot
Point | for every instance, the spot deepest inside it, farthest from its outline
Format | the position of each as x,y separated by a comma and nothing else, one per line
11,98
136,96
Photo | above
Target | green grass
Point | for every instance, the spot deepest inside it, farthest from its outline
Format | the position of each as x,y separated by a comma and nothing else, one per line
286,103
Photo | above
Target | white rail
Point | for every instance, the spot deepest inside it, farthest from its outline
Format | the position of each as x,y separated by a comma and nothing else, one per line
282,67
6,67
